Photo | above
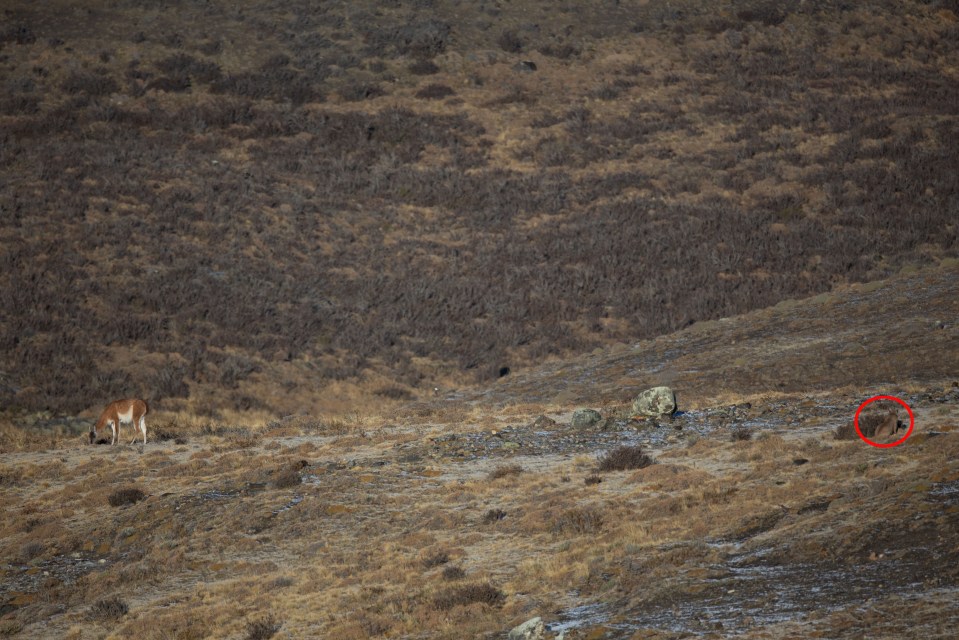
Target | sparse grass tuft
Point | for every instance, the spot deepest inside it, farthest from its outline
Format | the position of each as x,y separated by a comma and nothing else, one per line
262,629
625,457
503,471
112,608
31,550
483,592
435,559
579,521
129,495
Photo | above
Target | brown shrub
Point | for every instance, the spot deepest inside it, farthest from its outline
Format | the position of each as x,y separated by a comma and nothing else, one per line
493,515
453,572
262,629
129,495
579,521
435,91
468,594
435,559
503,471
624,457
112,608
286,478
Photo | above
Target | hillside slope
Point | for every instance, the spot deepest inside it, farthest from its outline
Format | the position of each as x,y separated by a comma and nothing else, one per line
269,206
463,516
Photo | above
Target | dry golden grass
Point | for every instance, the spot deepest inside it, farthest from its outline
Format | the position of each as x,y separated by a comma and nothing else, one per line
281,528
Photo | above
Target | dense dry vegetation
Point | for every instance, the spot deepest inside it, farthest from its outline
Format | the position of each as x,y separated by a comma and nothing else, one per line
461,518
285,223
276,205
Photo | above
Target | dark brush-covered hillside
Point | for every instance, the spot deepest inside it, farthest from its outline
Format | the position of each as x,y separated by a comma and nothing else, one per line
266,205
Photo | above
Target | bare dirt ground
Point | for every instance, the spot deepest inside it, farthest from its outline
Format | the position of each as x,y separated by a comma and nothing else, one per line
465,516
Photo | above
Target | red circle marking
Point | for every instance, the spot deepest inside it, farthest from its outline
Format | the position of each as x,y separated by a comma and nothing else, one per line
912,422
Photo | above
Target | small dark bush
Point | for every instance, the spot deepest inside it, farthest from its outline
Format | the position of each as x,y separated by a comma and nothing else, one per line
94,84
357,91
394,393
435,92
435,559
563,51
130,495
168,381
505,470
509,42
108,609
286,478
177,84
625,457
845,432
493,515
740,433
453,572
30,551
262,629
423,68
162,433
484,593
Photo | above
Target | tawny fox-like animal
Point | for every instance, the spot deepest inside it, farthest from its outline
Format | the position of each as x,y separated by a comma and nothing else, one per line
131,411
880,425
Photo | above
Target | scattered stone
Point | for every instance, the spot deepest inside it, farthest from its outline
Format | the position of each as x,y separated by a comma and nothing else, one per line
585,418
658,401
532,629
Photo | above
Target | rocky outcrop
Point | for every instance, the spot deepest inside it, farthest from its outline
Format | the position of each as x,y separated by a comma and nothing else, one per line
532,629
655,402
586,418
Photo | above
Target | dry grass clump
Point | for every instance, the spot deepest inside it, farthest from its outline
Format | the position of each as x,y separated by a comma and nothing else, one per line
484,593
167,432
452,572
493,515
436,558
580,520
624,457
289,476
112,608
505,470
31,550
262,629
129,495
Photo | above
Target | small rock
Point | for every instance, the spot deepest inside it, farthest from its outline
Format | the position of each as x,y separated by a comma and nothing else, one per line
658,401
532,629
585,418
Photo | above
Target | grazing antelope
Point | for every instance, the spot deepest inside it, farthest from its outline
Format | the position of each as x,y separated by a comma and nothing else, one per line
131,411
